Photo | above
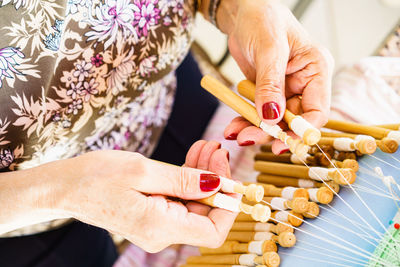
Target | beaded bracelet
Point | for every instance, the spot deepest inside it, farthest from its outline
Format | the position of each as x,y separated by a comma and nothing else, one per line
212,11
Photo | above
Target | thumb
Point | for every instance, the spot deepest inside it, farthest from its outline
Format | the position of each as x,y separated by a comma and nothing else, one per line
182,182
271,62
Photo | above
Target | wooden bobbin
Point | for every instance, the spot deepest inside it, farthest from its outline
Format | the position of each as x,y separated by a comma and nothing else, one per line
261,227
334,187
268,148
258,212
346,164
387,145
350,127
295,219
285,239
285,158
300,126
286,192
340,176
321,195
298,205
234,247
364,146
252,192
270,259
313,211
249,112
283,181
393,126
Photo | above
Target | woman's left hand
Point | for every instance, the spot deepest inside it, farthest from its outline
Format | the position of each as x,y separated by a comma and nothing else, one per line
289,70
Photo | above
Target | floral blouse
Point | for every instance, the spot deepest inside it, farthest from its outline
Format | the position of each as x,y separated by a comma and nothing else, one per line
82,75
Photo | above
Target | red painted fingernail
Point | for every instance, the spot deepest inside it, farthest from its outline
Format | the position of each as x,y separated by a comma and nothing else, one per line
227,156
270,110
284,151
209,182
219,146
232,136
247,143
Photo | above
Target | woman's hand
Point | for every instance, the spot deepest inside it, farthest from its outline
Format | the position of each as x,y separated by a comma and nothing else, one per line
125,193
273,50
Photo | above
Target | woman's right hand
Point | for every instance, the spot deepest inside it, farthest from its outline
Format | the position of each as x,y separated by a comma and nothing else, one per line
124,193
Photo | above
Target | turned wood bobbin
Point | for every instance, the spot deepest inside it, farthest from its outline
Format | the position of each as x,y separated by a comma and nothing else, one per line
297,124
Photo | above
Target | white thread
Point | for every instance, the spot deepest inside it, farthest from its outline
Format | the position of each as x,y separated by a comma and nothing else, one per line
226,202
361,137
282,216
262,227
278,203
255,247
304,183
288,192
228,185
247,259
344,144
299,126
319,173
394,135
312,192
273,130
261,236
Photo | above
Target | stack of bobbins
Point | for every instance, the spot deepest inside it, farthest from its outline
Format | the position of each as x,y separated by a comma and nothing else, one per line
291,191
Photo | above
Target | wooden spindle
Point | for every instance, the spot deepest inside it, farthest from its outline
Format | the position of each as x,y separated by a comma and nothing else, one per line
295,219
313,211
270,259
285,239
261,227
286,158
340,176
252,192
298,205
364,146
234,247
258,212
297,124
286,192
249,112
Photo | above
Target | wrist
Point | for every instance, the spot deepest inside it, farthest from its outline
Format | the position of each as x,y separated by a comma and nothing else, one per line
30,196
225,13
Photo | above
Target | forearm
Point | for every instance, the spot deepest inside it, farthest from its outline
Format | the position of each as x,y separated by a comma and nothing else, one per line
225,14
32,196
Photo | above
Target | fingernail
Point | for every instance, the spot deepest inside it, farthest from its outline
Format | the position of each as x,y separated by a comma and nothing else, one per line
247,143
232,136
270,110
219,146
284,151
227,156
209,182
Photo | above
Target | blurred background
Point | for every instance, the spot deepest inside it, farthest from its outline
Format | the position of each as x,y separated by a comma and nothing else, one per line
351,30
